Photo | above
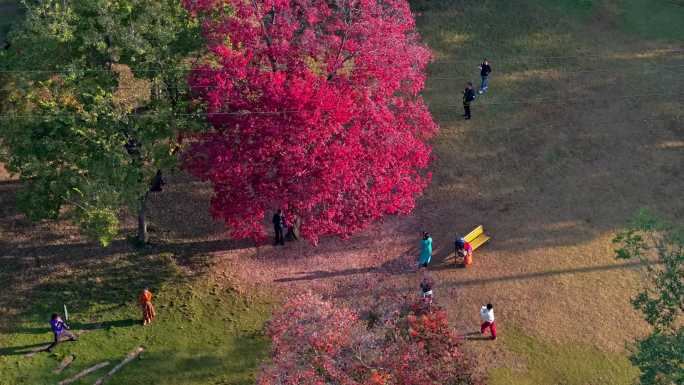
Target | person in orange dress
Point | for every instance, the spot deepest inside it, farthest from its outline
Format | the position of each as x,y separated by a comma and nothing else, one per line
145,301
463,249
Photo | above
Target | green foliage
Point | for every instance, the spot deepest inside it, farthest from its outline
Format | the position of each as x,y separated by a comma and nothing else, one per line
660,248
660,358
95,101
99,223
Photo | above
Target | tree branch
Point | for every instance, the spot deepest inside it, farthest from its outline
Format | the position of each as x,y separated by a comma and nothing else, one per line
269,41
336,66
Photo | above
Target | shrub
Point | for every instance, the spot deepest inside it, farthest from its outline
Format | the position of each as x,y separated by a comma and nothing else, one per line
316,343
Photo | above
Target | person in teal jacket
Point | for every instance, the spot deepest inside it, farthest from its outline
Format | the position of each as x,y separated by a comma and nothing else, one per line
425,250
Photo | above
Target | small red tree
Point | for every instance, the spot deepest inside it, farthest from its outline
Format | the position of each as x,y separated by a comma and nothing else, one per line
316,110
316,343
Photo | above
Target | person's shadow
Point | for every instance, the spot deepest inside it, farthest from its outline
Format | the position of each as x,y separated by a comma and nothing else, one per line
79,326
475,336
21,350
105,325
76,327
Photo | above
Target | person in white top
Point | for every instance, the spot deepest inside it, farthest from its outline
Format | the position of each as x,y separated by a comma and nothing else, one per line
487,315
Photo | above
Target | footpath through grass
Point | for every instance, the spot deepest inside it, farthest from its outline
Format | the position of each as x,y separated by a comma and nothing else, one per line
204,334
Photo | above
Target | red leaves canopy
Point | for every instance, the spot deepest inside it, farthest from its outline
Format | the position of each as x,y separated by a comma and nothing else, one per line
317,343
316,109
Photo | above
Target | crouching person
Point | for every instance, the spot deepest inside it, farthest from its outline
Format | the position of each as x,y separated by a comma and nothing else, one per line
60,330
463,250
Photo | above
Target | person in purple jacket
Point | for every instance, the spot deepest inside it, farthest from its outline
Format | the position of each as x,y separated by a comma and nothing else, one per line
61,331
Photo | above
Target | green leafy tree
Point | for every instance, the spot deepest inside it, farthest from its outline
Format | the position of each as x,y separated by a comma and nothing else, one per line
95,105
659,247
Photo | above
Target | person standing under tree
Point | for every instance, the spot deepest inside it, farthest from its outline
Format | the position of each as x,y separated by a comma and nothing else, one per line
279,227
425,250
485,70
148,311
60,330
487,315
468,97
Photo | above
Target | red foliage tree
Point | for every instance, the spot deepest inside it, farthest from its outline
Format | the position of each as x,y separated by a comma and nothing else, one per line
317,343
316,109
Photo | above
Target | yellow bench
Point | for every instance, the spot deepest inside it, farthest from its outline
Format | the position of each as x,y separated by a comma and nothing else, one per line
477,237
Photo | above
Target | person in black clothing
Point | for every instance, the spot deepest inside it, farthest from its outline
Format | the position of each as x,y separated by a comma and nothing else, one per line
157,182
279,226
485,70
468,97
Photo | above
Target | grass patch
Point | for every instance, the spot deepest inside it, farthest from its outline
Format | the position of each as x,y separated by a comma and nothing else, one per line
653,19
203,333
577,8
648,19
575,364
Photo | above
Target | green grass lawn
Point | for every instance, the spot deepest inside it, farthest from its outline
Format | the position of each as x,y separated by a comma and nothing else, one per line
653,19
203,334
649,19
549,363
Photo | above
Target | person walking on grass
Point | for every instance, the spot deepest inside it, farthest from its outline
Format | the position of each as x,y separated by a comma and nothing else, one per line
468,97
425,250
426,286
279,227
148,311
60,330
485,70
487,315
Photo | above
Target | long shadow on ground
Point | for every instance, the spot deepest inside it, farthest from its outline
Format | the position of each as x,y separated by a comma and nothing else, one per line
20,350
76,326
387,269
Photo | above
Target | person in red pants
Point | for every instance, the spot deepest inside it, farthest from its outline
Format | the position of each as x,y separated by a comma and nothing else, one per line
487,315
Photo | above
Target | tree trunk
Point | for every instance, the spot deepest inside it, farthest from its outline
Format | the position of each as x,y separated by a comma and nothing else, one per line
293,231
143,237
